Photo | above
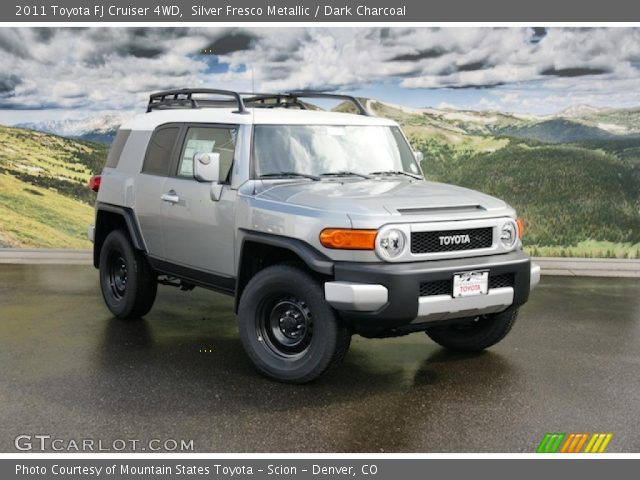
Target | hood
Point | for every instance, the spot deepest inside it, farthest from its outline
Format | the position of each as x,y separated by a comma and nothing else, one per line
397,196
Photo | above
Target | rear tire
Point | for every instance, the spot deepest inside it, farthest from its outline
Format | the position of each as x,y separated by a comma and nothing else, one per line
287,328
477,334
128,283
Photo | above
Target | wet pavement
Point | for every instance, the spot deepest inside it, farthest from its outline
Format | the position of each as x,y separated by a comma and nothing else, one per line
68,369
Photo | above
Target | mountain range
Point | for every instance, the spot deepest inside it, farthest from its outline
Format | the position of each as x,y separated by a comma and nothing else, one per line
574,176
574,124
99,128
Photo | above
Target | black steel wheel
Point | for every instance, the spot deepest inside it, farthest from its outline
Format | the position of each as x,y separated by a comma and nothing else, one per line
127,281
287,328
285,325
118,273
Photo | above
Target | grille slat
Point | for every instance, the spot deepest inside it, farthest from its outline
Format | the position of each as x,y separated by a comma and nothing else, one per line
445,287
429,242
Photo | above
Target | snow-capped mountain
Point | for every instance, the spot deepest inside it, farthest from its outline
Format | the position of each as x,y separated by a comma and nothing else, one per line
580,111
101,128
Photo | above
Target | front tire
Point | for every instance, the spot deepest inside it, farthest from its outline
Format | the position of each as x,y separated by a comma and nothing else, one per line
287,328
128,283
475,335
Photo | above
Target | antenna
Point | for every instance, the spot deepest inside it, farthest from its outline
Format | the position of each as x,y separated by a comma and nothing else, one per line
253,115
253,80
253,89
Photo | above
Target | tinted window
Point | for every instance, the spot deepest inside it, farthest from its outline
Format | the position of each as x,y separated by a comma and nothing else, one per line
206,140
116,148
157,161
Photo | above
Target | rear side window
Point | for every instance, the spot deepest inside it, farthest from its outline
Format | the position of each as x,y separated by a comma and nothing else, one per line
157,161
116,148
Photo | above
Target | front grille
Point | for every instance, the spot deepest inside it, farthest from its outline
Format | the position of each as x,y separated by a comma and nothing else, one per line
499,281
445,287
439,287
431,242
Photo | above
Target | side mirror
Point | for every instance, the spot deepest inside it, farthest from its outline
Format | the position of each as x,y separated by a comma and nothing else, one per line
418,155
206,167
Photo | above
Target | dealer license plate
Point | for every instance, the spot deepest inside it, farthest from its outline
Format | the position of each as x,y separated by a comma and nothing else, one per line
468,284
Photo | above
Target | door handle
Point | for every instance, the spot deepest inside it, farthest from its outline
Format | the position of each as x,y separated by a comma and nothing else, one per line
171,196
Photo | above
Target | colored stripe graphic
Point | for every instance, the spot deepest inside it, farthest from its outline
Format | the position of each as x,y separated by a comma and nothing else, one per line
598,443
551,442
555,442
574,442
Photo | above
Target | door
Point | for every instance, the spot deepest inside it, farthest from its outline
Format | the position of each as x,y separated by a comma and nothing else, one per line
150,187
199,231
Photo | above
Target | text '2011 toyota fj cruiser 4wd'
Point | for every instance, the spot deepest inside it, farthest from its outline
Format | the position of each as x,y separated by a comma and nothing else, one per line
319,223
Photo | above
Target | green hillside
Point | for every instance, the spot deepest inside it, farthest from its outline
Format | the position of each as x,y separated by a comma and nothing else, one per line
44,199
624,120
567,194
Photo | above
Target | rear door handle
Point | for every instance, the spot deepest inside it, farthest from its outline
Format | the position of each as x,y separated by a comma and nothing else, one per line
171,196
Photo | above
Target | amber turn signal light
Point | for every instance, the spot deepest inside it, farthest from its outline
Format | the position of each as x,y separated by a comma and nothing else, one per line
520,224
348,239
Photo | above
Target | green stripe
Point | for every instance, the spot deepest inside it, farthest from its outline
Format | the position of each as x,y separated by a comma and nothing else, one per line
551,442
555,446
543,443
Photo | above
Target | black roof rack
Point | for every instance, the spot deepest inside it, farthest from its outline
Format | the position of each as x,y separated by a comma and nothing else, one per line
337,96
260,100
184,99
293,98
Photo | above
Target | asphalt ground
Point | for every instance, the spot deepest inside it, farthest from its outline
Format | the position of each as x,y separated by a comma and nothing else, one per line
71,371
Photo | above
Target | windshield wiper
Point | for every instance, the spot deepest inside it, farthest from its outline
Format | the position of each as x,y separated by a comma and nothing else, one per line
396,172
289,175
344,173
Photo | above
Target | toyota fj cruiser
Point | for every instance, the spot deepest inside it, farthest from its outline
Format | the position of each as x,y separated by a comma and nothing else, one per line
319,223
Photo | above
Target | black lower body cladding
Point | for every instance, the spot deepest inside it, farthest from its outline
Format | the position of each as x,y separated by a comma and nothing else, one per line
403,281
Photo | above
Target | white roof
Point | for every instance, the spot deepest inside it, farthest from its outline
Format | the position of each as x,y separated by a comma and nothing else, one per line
266,116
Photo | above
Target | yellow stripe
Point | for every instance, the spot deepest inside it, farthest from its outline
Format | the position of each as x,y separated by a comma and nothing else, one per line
565,446
607,439
590,444
583,438
596,445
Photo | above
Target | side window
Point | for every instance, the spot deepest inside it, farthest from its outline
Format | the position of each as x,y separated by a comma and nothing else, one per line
220,140
116,148
157,161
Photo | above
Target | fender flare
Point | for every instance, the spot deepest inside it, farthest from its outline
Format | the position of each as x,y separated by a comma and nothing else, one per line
315,260
130,222
312,258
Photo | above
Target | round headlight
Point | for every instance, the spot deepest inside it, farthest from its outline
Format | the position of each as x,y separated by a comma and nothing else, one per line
509,234
391,243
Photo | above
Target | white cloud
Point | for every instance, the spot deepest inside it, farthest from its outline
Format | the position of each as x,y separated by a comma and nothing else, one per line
113,68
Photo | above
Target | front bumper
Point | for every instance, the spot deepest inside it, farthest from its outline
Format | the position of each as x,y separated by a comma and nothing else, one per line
376,295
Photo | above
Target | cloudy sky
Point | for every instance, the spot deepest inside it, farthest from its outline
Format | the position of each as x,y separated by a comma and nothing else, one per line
49,73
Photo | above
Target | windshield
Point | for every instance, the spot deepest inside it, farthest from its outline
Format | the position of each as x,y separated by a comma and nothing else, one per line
316,150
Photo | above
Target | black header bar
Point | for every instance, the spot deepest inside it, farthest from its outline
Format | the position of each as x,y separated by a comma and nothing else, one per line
319,11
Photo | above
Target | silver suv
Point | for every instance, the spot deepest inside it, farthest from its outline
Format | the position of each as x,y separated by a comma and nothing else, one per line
319,223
